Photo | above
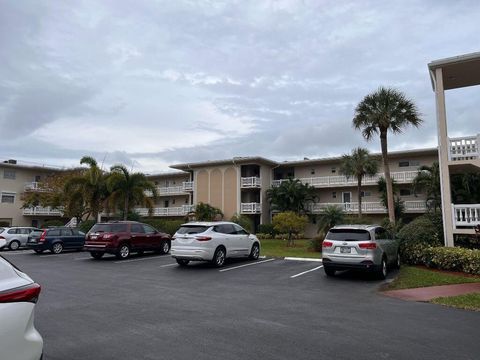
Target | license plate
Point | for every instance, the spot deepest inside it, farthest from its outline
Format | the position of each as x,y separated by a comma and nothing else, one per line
345,250
93,237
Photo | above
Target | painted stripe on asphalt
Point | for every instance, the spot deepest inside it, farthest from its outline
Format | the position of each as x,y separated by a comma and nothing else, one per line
302,259
305,272
20,252
140,259
84,258
241,266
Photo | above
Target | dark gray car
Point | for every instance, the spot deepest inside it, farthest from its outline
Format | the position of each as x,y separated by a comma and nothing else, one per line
359,247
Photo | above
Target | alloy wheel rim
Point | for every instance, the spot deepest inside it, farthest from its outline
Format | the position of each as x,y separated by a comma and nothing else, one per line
14,245
166,247
220,257
256,252
124,251
57,248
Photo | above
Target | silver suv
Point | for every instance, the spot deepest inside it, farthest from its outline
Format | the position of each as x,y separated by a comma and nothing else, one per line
359,247
16,236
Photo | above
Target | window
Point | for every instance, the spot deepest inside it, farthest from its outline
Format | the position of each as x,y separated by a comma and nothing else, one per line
403,164
405,192
192,229
186,201
225,229
54,232
173,201
24,231
239,230
334,170
165,203
8,197
380,233
365,193
407,163
12,231
312,171
137,228
334,194
66,232
348,235
149,230
9,174
109,228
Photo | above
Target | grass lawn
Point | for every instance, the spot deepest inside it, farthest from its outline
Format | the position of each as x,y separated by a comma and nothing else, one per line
467,301
278,248
414,277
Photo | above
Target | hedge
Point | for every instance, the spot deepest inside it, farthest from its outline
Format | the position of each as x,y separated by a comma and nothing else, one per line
168,226
443,258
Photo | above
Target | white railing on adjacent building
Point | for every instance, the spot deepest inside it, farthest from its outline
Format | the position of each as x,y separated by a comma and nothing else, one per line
250,208
370,206
466,215
341,180
34,186
464,148
42,211
166,211
250,182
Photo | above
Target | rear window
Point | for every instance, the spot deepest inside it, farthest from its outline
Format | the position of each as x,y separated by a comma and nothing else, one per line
348,235
192,229
109,228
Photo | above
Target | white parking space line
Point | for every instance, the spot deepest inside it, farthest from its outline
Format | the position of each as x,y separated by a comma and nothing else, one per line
15,252
166,265
302,259
306,272
84,258
241,266
139,259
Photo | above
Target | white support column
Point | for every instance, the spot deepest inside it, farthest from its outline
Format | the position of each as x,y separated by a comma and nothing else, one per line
443,150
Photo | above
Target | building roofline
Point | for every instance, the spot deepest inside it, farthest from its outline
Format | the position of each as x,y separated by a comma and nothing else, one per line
167,174
435,64
233,161
32,167
454,76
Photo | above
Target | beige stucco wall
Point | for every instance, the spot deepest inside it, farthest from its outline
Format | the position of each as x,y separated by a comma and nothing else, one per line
201,186
230,192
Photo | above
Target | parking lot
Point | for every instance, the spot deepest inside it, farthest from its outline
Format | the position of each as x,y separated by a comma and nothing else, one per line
150,308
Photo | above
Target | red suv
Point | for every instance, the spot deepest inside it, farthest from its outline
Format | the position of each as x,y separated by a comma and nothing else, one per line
124,237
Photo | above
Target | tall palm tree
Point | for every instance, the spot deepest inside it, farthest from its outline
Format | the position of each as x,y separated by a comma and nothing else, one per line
128,189
291,195
90,186
428,180
385,110
359,164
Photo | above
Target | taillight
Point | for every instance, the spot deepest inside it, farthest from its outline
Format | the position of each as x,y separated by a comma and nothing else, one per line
27,293
367,246
327,244
203,238
108,236
43,236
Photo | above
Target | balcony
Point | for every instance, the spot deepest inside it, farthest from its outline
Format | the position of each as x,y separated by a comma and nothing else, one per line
464,148
250,208
34,186
372,207
250,182
400,177
184,189
167,211
42,211
466,215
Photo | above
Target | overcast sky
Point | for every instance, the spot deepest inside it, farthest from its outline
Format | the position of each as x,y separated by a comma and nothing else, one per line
151,83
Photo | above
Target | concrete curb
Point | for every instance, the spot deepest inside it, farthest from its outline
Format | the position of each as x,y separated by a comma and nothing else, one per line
302,259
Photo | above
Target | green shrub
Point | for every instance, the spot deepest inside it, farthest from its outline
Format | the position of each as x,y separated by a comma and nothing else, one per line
267,229
443,258
316,243
426,229
53,222
262,236
86,225
467,241
244,221
168,226
4,224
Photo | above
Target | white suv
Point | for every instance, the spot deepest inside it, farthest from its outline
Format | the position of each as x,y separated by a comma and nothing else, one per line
18,294
213,241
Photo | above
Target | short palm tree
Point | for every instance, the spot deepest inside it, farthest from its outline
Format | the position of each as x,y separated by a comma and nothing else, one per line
128,189
291,195
359,164
428,180
385,110
332,215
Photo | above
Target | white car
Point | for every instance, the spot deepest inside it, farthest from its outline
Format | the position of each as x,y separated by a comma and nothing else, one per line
213,241
19,340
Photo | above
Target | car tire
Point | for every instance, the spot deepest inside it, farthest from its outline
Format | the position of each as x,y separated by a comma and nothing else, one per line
96,254
255,252
182,262
329,271
14,245
38,251
57,248
123,252
219,257
164,247
382,271
398,262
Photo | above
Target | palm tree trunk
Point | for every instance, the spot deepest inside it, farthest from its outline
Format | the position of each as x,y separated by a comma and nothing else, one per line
388,180
359,188
125,210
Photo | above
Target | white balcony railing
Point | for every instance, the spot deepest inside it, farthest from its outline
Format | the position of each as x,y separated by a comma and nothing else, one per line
188,186
370,206
250,182
34,186
466,215
42,211
464,148
167,211
341,180
185,188
250,208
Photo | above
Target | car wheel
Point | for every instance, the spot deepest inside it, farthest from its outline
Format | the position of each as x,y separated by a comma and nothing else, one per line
38,251
382,272
398,263
165,247
219,257
14,245
96,254
182,262
329,271
57,248
123,252
255,252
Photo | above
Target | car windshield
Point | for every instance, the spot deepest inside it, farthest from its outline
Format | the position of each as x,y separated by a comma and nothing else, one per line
348,235
1,230
192,229
109,228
